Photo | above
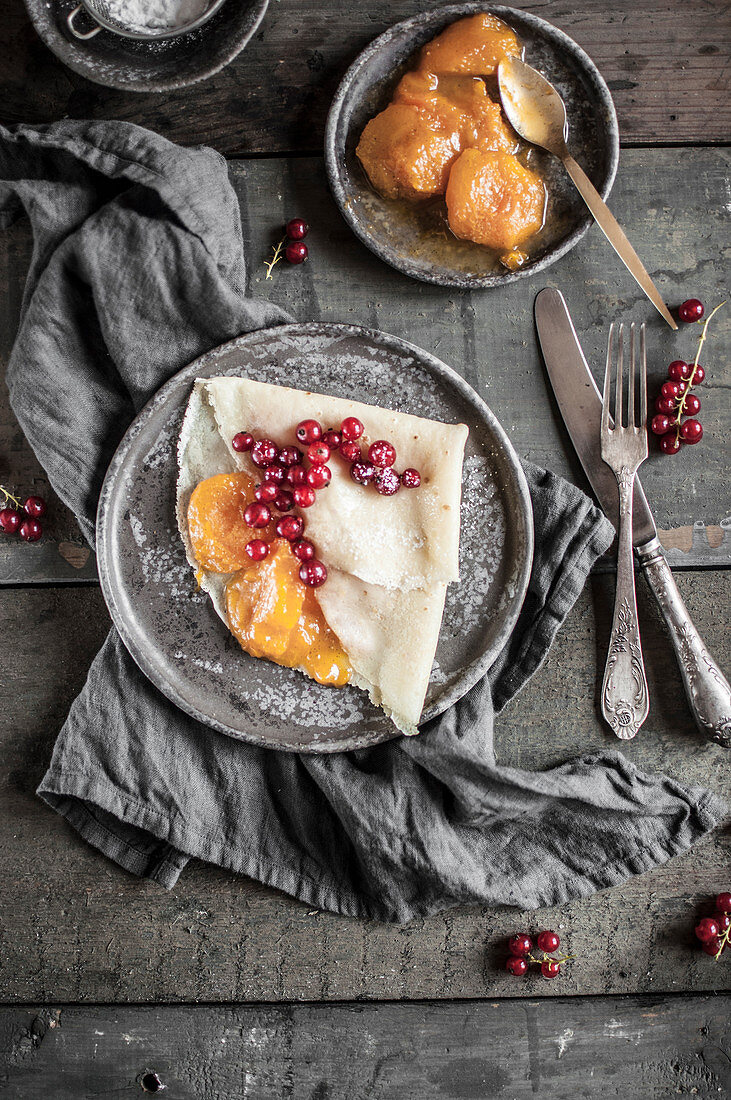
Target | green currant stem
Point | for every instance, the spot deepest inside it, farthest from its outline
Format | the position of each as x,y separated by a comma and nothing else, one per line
701,342
724,940
276,258
9,496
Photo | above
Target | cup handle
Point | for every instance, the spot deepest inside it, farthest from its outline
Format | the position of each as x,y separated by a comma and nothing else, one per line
76,33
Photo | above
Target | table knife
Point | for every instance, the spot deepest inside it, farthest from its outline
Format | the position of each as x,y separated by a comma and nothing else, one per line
579,400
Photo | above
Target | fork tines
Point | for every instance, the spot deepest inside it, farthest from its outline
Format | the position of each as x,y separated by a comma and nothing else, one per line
635,380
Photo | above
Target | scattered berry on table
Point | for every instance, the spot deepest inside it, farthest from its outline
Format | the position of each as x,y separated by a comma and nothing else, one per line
713,947
363,472
284,501
520,944
296,229
309,431
22,519
351,429
411,478
691,431
297,475
289,456
267,492
318,476
550,968
264,453
9,520
714,932
387,481
707,929
304,496
520,947
296,252
290,527
691,310
242,441
382,453
318,453
723,902
257,549
35,507
516,965
548,942
661,424
277,474
30,530
332,438
350,450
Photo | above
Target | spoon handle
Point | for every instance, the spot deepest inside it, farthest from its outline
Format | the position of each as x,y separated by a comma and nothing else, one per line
615,235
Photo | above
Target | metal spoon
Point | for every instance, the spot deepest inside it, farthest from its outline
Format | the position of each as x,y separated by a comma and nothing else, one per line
537,112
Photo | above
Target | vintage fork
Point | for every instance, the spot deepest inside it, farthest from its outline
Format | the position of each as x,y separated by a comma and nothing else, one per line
625,701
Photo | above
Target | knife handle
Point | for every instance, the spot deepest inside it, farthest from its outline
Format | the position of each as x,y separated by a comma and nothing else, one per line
708,691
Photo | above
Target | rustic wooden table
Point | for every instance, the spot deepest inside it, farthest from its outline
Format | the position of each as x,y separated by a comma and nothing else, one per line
229,989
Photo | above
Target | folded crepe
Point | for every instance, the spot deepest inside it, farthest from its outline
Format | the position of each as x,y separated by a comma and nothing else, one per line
389,559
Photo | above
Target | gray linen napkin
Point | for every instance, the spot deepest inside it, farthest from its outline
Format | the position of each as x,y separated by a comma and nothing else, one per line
132,236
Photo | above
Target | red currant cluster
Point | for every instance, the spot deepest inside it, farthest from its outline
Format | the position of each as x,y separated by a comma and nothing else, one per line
714,932
23,518
675,401
292,246
521,954
291,478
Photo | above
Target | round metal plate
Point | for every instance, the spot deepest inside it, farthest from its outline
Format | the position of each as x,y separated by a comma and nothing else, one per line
170,627
419,243
141,65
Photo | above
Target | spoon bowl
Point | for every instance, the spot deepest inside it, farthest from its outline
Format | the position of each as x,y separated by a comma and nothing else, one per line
534,108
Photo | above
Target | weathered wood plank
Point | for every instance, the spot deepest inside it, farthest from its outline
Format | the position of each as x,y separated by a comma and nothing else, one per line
73,927
648,1047
664,60
672,205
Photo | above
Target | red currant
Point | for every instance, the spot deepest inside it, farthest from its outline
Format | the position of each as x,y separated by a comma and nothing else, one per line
289,456
516,965
699,375
304,496
318,453
267,492
318,476
723,902
387,481
723,920
30,530
332,438
277,474
290,527
309,431
711,947
550,968
521,944
264,453
35,507
350,450
313,573
691,310
296,252
411,478
362,472
678,370
351,429
296,229
670,389
242,441
304,550
9,520
670,443
706,930
691,431
382,453
660,424
257,549
257,514
548,941
692,405
284,501
297,475
665,405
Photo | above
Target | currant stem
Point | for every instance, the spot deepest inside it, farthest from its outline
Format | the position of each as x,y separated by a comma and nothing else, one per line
278,249
549,958
9,496
724,938
681,403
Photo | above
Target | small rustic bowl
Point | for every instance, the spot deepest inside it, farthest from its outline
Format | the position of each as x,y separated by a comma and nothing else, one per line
419,242
144,66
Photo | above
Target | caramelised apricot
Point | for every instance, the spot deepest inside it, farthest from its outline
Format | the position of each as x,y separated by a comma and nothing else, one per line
462,104
475,45
273,615
407,152
216,522
493,200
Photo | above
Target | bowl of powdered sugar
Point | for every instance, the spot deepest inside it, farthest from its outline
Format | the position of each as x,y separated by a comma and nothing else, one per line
146,45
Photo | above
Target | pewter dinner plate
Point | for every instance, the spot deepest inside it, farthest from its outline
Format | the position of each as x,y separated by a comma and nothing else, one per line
418,240
170,627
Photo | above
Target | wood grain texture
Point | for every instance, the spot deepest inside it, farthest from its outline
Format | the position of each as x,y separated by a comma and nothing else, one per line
648,1047
74,927
665,62
671,203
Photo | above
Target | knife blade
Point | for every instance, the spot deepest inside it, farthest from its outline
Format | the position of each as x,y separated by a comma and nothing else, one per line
580,403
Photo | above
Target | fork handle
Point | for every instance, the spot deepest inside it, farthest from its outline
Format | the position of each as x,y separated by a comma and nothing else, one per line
625,700
708,691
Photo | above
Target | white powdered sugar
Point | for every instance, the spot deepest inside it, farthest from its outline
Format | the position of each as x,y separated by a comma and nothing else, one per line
149,15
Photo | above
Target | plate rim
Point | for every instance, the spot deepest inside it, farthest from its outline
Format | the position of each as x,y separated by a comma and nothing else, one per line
334,117
105,555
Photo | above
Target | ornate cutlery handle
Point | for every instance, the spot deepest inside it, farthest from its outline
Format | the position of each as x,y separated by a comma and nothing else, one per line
708,691
625,700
